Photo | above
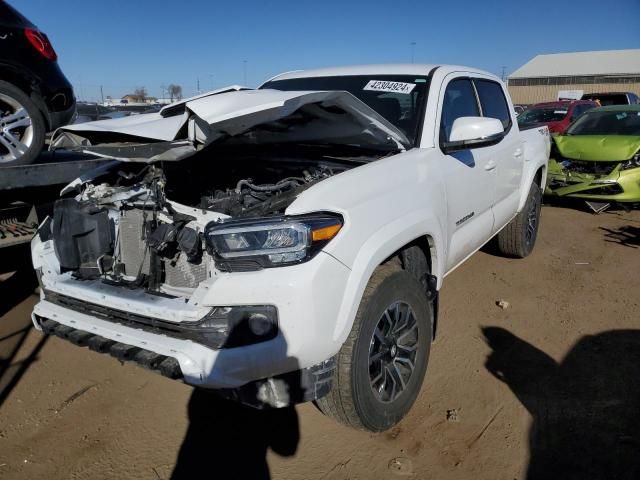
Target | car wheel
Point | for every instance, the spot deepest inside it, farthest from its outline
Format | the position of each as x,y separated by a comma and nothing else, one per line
381,366
22,128
518,238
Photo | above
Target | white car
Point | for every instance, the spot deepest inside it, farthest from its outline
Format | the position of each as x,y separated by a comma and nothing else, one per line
288,243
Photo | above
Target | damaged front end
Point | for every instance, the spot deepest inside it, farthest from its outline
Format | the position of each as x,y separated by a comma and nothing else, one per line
601,170
147,258
131,235
243,154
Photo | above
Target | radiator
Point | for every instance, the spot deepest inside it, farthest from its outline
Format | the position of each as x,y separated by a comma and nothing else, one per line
132,245
178,272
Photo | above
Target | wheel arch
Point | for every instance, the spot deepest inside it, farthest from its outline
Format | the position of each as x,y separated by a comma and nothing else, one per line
538,175
29,85
425,244
379,249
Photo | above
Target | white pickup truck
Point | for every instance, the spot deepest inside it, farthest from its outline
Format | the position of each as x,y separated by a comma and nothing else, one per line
288,243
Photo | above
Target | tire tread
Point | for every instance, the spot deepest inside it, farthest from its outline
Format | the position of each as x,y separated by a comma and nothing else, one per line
338,403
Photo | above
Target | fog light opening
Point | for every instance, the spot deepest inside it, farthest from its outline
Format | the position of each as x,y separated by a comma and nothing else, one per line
260,324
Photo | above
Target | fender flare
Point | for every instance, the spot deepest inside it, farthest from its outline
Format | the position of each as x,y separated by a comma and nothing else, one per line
380,246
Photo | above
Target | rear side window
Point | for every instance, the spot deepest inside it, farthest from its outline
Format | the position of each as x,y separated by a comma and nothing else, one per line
459,101
493,102
577,111
580,109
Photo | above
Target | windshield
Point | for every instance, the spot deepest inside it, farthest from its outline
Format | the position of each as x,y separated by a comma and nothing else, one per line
400,99
542,115
607,122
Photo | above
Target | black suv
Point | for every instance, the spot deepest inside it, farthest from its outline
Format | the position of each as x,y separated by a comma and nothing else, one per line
35,96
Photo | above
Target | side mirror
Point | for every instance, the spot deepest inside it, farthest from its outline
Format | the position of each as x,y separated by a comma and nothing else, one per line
473,132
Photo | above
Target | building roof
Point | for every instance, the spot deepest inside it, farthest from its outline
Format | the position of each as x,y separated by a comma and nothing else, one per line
605,62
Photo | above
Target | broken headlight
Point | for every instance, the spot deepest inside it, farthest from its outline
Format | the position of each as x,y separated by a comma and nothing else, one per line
633,163
254,244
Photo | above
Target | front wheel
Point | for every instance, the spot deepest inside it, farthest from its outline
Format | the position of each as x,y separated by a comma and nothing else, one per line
381,366
518,238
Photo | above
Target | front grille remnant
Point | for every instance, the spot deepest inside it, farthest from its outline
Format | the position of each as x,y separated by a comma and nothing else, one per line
182,273
166,366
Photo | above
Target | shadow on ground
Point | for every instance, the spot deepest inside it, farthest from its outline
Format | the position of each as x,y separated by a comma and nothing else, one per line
227,440
586,409
629,236
15,322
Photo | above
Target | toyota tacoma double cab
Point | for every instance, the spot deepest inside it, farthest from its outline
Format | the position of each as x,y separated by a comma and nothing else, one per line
288,243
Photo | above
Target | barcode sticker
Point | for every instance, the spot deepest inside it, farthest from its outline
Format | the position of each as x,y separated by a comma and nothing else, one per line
386,86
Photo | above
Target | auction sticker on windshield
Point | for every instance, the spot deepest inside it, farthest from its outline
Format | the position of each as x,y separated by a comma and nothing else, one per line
385,86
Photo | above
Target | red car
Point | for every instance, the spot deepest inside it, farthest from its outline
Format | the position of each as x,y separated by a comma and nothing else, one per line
555,115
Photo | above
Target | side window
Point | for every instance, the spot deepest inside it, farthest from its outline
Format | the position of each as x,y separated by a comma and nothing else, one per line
577,111
459,101
493,102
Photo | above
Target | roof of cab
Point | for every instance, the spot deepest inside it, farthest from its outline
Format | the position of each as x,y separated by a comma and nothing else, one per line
375,69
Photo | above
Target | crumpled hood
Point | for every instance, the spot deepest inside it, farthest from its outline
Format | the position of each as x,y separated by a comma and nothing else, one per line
262,116
598,147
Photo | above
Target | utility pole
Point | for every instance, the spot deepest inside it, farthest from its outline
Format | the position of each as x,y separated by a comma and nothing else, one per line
102,94
211,78
413,47
244,69
504,71
198,83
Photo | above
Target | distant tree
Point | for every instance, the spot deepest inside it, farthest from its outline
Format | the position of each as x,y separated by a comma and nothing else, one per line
175,92
140,94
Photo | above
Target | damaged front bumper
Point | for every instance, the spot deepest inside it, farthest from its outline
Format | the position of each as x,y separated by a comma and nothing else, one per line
306,297
615,186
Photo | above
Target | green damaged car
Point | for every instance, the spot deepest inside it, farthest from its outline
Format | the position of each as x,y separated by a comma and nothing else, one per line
598,157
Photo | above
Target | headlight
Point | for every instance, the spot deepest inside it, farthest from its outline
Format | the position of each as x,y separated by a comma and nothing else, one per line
263,243
633,163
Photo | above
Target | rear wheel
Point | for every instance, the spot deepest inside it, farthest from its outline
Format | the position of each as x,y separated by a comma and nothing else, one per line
381,366
518,238
22,128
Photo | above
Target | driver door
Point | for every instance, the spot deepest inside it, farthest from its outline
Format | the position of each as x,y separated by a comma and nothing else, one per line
469,175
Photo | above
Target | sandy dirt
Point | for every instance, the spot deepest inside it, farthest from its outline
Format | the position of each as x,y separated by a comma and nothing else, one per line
549,384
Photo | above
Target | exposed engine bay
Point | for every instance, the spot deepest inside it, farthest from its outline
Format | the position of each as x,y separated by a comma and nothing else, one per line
142,225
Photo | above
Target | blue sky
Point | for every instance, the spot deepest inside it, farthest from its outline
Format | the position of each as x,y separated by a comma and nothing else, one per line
122,45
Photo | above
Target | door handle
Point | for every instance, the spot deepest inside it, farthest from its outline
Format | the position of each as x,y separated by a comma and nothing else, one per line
517,153
491,164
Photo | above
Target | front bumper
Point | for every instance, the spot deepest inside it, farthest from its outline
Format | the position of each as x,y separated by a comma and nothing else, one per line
618,186
307,297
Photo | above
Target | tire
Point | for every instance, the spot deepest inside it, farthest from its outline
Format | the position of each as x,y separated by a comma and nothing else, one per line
518,238
352,399
22,127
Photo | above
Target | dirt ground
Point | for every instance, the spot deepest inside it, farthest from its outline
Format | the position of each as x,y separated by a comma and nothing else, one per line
546,388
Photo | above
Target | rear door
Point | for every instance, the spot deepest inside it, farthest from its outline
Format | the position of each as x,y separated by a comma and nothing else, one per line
469,175
507,155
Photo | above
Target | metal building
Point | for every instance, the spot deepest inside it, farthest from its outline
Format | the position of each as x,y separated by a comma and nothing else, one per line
545,76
